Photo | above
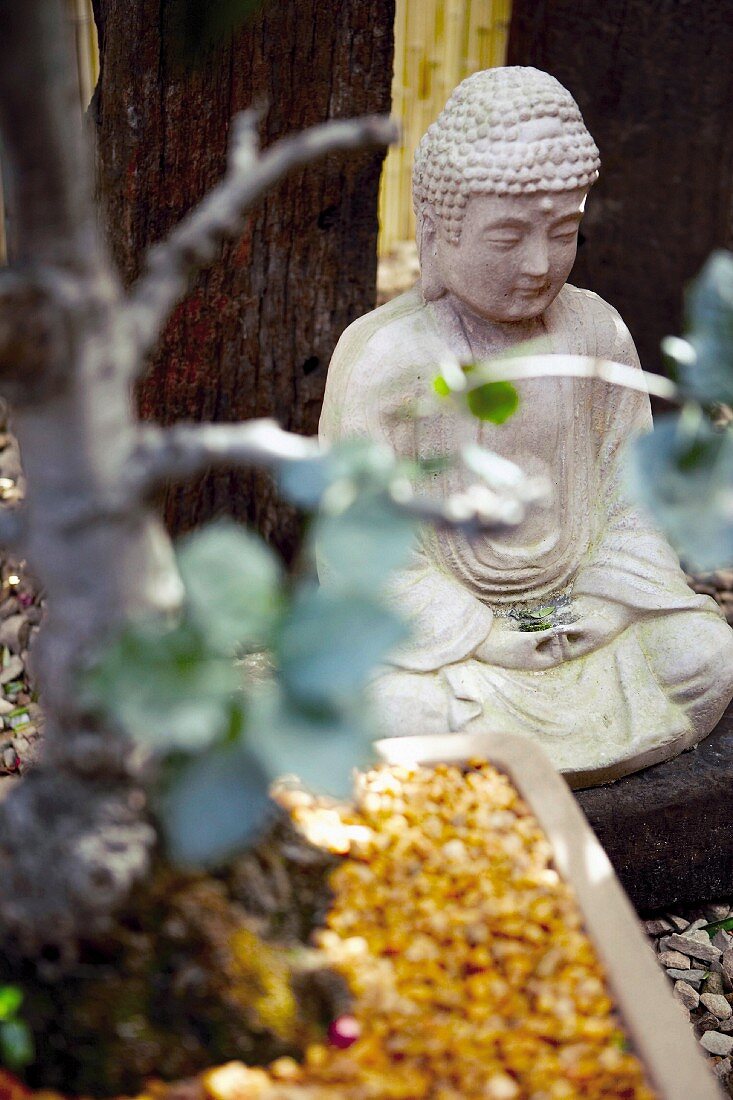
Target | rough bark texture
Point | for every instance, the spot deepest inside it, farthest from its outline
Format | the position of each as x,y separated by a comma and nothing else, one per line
655,84
256,333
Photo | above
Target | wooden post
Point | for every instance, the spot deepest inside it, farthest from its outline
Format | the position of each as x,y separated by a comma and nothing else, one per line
655,85
255,336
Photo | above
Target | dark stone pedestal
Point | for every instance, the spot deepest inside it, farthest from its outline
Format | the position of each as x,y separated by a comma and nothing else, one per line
668,830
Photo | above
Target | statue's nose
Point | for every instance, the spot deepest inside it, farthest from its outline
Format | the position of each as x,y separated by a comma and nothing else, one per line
536,258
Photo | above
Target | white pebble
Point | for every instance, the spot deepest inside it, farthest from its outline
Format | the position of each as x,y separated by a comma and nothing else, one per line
717,1004
715,1043
686,995
674,959
455,850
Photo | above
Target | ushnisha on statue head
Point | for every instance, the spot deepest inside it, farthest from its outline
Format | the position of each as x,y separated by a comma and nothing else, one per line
499,188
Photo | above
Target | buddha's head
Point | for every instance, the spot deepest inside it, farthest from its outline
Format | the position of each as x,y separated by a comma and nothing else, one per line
499,188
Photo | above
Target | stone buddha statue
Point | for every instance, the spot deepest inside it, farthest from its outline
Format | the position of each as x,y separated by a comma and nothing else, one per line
623,664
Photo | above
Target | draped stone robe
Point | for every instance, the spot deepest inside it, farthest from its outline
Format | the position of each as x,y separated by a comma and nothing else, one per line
653,690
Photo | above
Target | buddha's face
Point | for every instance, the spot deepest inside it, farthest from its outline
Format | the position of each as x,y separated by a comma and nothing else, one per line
514,254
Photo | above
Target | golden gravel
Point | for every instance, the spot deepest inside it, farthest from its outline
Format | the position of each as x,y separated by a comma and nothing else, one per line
471,972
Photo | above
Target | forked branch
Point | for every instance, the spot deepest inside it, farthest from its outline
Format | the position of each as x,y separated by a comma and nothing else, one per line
195,242
571,366
185,450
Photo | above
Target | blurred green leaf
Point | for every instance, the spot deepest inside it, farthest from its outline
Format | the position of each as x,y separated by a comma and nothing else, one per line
358,548
233,585
16,1045
703,361
431,465
330,644
719,926
620,1041
321,746
215,805
709,300
683,475
441,387
304,483
355,463
164,687
494,401
368,464
11,998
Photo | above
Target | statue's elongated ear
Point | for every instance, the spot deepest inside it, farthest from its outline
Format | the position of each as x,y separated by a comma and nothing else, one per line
431,282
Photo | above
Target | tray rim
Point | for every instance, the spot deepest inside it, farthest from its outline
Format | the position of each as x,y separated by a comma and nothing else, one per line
674,1061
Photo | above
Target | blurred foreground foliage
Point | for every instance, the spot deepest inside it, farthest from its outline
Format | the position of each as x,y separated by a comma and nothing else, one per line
17,1049
293,701
682,471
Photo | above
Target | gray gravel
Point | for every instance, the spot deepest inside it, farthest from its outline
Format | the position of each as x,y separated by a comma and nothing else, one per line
687,995
719,585
696,944
702,975
717,1004
674,959
716,1043
20,615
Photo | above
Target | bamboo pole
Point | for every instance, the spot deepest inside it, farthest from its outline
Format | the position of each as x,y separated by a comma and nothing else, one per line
437,44
87,52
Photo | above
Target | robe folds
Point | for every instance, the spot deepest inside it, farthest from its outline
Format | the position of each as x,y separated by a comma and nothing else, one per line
653,690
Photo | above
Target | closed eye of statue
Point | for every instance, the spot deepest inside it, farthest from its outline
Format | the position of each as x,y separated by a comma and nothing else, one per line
565,231
503,237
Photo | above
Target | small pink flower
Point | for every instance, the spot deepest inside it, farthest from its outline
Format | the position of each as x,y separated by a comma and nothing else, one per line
344,1031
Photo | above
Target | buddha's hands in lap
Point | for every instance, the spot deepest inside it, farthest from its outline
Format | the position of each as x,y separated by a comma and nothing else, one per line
598,623
508,647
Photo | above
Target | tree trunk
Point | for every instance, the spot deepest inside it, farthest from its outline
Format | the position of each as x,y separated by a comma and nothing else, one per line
255,335
74,837
71,837
655,84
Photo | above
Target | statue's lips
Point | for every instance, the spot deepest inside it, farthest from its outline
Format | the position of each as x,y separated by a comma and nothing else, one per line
533,291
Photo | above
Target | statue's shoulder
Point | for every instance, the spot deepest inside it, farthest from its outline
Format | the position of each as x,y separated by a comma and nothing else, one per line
587,302
599,325
376,365
388,329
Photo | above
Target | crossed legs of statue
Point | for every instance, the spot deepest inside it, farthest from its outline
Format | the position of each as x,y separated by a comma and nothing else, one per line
693,662
670,673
